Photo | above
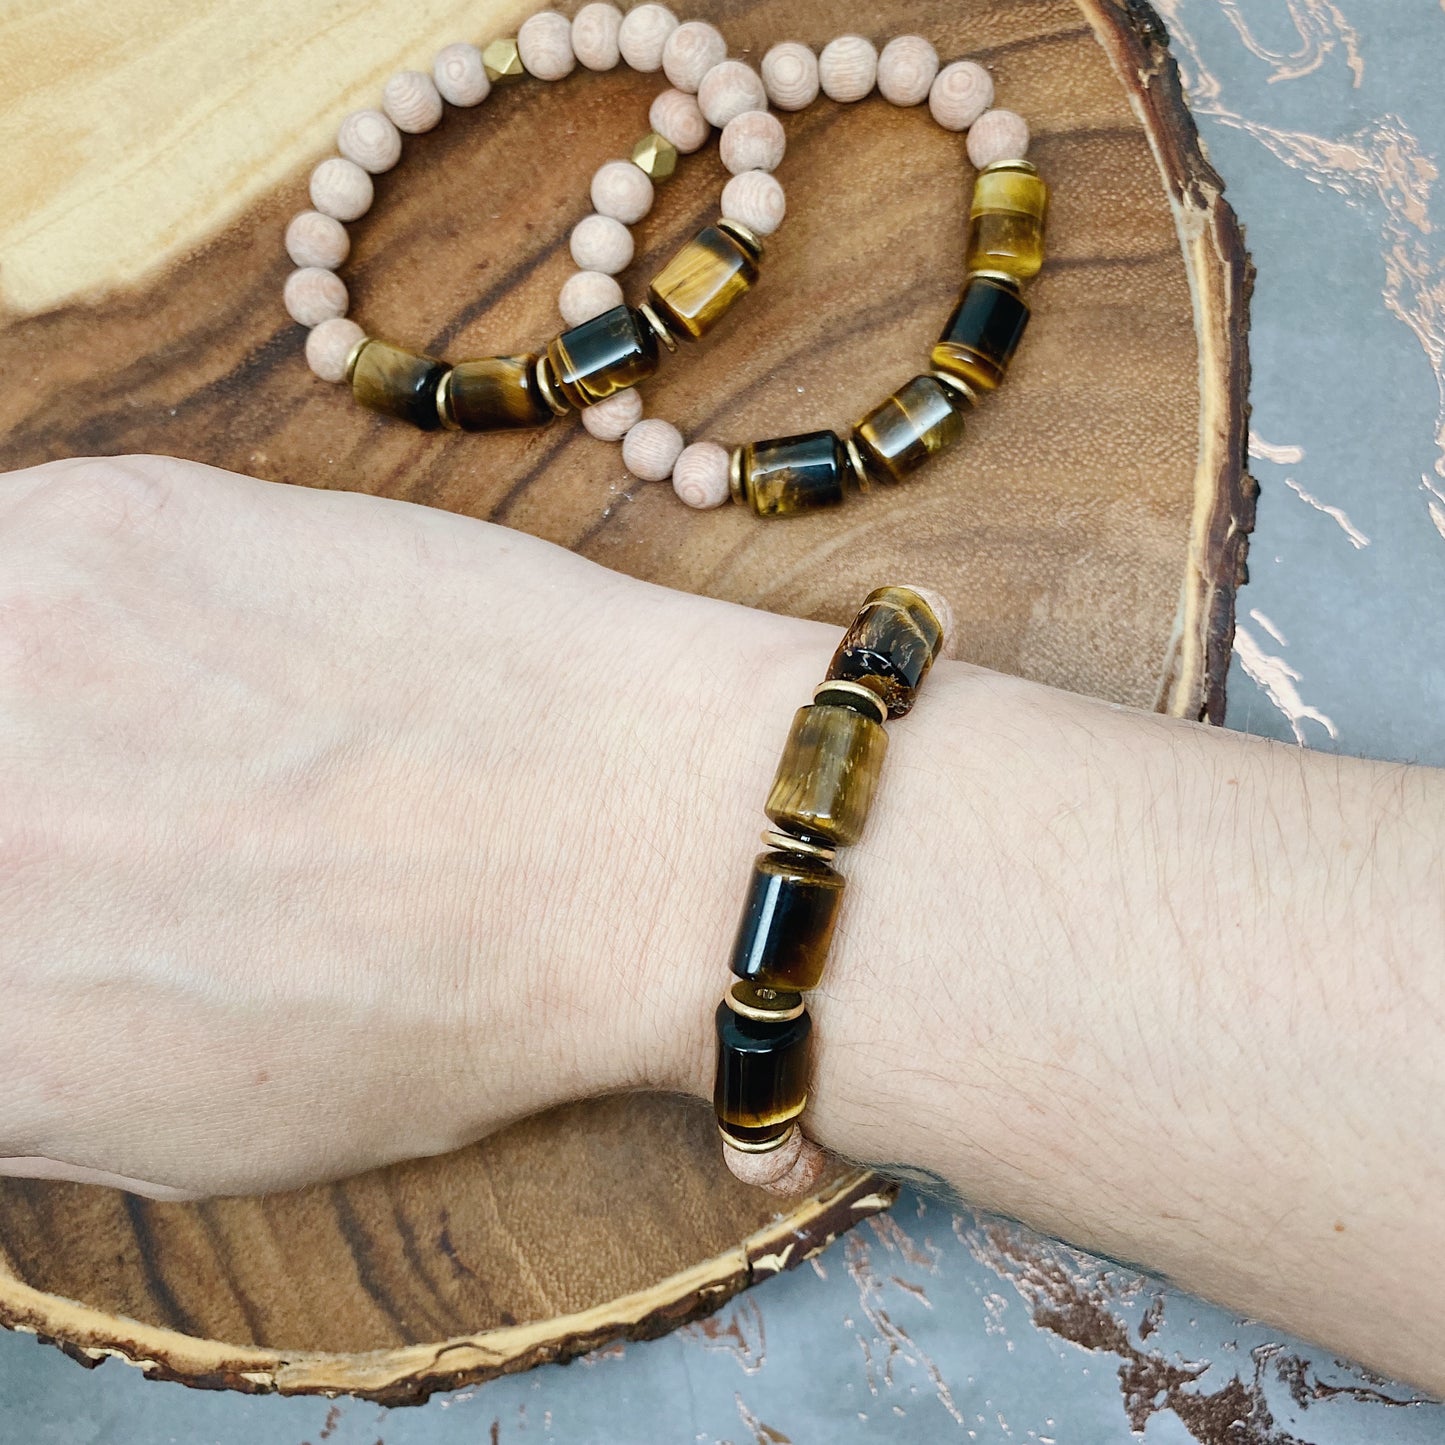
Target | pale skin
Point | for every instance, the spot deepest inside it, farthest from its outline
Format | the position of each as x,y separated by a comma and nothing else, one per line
336,830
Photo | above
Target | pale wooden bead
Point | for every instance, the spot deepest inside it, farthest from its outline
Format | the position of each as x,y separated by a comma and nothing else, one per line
643,36
316,240
700,475
675,116
595,29
762,1170
544,42
370,139
586,294
848,67
998,135
328,345
790,75
340,188
728,89
601,243
960,93
412,101
621,190
313,295
691,51
650,448
805,1175
611,420
460,75
906,70
756,199
752,141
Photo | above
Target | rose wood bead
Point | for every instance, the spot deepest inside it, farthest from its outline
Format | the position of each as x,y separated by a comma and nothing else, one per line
370,139
906,70
790,75
960,93
460,75
728,89
752,141
890,645
643,36
847,68
588,363
756,199
340,188
587,294
412,101
329,344
544,41
611,420
690,52
313,294
700,474
388,379
762,1073
494,393
998,135
650,449
316,240
828,773
595,29
765,1169
787,923
601,243
675,116
622,191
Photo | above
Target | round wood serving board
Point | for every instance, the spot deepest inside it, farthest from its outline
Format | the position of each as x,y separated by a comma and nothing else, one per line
1089,533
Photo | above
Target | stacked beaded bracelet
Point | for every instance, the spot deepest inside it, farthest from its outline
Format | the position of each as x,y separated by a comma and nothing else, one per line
818,803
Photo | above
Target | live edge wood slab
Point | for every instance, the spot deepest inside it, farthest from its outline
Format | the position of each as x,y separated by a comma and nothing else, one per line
1090,533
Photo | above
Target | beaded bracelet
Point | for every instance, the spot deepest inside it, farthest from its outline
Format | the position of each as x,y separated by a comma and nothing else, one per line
818,803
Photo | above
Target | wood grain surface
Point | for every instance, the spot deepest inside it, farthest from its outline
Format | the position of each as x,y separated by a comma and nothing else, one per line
1089,533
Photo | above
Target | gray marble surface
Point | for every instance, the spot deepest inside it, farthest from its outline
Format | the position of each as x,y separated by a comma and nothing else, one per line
1327,120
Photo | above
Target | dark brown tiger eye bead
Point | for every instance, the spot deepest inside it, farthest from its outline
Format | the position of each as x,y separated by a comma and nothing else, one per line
982,334
787,923
387,379
599,358
788,475
827,773
495,393
761,1083
890,647
696,288
917,421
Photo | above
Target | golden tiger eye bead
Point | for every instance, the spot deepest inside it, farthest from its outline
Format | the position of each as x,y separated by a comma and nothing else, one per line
601,357
694,290
495,393
982,334
787,475
890,647
1006,221
388,379
761,1084
787,924
827,773
900,434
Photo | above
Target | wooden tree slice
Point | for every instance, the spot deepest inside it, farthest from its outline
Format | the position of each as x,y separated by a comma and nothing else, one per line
1090,533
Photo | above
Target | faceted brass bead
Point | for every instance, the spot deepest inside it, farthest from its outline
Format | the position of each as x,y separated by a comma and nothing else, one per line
656,155
694,291
389,379
599,358
788,475
916,422
827,774
761,1084
502,60
983,333
1006,221
890,647
496,393
787,924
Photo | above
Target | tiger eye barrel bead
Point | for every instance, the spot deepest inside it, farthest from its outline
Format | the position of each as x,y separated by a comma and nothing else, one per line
697,287
1006,221
496,393
399,383
601,357
917,421
827,774
761,1084
787,924
982,334
788,475
889,647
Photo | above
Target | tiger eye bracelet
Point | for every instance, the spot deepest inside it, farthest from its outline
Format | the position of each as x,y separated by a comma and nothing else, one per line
818,803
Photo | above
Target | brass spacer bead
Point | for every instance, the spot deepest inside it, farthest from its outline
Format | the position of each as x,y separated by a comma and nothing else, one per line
502,60
1002,277
861,478
786,843
748,239
769,1006
1020,164
444,402
956,385
763,1146
855,689
658,325
354,355
543,373
735,477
